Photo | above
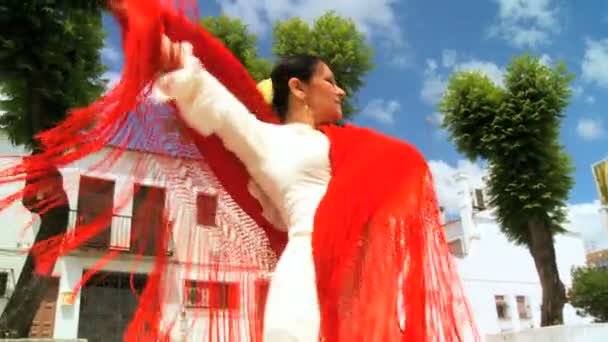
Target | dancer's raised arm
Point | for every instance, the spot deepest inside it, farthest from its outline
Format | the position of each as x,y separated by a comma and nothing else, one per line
209,108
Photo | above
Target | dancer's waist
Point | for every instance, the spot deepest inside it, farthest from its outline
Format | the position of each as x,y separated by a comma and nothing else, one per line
300,231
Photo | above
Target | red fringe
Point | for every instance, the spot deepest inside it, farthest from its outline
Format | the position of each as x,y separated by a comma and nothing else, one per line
369,251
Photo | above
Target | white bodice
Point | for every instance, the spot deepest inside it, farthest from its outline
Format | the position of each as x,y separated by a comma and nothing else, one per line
289,164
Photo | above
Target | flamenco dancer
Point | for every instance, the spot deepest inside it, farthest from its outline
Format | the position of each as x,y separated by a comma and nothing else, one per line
351,213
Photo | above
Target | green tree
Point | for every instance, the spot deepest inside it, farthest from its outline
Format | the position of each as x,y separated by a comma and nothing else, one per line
516,129
49,63
589,292
337,40
234,34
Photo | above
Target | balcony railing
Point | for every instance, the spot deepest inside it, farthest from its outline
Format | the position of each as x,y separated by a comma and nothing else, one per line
117,236
120,237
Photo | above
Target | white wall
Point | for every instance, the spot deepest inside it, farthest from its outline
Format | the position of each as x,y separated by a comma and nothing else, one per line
236,229
236,234
578,333
18,227
495,266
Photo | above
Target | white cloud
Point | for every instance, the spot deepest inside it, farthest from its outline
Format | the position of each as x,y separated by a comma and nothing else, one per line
526,23
489,69
382,111
448,58
595,62
435,119
375,18
436,78
590,129
112,77
586,218
110,53
401,60
433,84
546,60
577,90
445,186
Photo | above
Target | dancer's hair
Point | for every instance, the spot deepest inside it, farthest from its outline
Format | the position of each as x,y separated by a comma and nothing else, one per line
301,67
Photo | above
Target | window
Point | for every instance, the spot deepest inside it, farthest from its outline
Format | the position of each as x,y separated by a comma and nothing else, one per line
206,205
523,309
147,222
212,295
3,284
95,201
501,307
479,200
456,248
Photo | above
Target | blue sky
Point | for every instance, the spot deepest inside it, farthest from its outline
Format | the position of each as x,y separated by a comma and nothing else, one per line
420,43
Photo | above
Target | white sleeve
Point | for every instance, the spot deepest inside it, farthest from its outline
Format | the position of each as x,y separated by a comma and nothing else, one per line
269,211
209,108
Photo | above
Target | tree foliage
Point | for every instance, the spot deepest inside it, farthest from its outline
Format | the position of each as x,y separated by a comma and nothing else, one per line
49,63
234,34
589,292
335,39
516,129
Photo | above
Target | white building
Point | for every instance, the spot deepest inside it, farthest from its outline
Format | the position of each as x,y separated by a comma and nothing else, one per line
102,308
499,277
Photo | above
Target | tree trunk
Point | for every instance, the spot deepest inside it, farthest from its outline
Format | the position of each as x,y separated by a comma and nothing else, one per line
543,252
19,313
30,289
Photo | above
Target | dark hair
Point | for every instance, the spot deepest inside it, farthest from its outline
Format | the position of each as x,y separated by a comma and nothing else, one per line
301,67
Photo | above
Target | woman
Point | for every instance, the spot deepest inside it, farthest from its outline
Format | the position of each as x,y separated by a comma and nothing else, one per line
359,203
291,169
289,165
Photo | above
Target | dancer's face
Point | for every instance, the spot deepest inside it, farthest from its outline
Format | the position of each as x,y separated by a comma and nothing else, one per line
323,96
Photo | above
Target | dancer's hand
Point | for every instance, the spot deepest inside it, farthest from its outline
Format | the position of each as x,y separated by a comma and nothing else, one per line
172,55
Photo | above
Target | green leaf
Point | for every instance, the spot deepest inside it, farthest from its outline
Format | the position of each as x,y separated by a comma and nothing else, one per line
589,292
50,53
516,129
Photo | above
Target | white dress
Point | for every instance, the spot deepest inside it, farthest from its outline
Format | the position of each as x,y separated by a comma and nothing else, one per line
290,168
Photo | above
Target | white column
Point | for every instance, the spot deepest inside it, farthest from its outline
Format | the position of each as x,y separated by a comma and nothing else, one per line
123,209
465,208
513,311
536,309
123,196
68,312
71,184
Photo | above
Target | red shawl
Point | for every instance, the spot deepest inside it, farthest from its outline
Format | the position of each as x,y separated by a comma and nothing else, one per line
384,271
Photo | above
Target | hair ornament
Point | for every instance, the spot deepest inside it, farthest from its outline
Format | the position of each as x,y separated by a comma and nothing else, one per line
265,87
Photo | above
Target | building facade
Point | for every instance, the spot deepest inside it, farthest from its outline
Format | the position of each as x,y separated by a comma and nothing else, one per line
499,277
598,258
200,212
